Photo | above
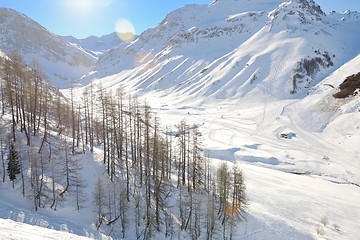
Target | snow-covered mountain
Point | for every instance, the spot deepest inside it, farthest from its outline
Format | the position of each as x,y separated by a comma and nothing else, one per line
230,49
281,62
96,45
63,63
258,78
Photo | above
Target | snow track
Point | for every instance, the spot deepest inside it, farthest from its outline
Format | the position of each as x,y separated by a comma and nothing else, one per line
292,184
224,68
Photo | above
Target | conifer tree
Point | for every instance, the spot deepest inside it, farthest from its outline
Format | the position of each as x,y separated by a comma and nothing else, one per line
13,164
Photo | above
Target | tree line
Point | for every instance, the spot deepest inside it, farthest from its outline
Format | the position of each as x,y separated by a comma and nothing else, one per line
35,136
159,174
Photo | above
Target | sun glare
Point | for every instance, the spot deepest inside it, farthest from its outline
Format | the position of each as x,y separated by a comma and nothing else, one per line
84,8
80,5
105,3
125,30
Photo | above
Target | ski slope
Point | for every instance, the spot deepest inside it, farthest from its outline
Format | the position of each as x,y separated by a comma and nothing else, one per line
302,186
306,186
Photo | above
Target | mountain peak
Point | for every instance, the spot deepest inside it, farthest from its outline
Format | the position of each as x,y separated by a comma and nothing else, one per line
94,44
296,14
311,7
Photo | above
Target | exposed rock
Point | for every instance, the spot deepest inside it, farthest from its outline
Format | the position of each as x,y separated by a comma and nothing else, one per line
350,87
307,69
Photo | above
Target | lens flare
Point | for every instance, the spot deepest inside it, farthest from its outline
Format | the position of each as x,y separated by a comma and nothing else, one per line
125,30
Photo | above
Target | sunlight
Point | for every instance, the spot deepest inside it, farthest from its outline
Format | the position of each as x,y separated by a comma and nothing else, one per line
144,57
125,30
84,8
105,3
80,6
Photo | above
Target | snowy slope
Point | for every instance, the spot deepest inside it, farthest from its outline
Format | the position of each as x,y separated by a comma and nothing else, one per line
15,230
62,62
63,219
305,186
230,68
256,76
280,44
94,44
230,49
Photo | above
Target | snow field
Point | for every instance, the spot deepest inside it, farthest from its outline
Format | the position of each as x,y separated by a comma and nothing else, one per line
11,230
299,153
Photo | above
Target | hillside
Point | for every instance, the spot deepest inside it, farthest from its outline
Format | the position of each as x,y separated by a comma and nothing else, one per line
259,80
232,49
219,123
84,163
62,63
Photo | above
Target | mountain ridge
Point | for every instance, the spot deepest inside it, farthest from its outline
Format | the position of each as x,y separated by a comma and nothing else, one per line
94,44
257,80
222,50
61,62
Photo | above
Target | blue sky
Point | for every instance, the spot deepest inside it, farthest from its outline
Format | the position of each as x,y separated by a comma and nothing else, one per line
82,18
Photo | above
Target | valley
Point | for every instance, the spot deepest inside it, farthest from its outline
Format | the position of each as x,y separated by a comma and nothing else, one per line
219,123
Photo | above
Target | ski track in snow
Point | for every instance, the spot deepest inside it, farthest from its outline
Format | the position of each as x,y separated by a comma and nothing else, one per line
238,95
291,183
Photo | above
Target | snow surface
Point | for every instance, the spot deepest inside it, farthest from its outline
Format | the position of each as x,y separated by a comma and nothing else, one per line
303,187
232,48
228,68
65,218
11,230
292,184
235,83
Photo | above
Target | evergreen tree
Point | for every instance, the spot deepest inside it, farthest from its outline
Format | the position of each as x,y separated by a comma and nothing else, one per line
14,164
